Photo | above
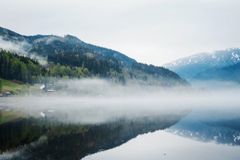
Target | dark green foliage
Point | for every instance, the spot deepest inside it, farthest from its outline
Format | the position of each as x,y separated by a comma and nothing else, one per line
24,69
57,70
95,65
1,85
75,65
110,67
15,67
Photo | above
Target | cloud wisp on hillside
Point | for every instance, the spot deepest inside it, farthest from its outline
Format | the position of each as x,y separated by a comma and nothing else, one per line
21,48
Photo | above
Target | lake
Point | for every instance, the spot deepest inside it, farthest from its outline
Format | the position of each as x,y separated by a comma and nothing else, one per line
148,125
165,145
194,137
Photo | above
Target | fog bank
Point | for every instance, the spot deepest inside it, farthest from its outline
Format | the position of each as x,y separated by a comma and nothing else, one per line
97,101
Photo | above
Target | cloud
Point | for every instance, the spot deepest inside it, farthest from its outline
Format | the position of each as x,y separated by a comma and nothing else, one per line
18,47
159,30
21,48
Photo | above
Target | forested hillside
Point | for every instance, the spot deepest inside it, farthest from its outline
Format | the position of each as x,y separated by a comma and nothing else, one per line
108,67
71,57
15,67
24,69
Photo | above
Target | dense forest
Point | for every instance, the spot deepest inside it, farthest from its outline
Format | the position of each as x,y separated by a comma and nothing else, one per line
108,67
15,67
76,65
21,68
24,69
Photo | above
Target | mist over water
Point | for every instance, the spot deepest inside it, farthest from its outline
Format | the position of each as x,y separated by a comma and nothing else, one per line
202,113
98,101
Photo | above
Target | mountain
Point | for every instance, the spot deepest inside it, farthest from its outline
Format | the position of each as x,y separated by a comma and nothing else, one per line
50,44
69,51
206,64
229,73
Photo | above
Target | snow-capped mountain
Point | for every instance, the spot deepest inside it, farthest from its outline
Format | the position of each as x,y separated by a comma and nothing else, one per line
190,67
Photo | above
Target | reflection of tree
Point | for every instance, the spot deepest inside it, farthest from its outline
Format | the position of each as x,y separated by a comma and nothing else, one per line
1,85
61,141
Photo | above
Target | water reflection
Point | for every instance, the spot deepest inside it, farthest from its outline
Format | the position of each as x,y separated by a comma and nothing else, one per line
165,145
59,132
55,140
202,134
221,126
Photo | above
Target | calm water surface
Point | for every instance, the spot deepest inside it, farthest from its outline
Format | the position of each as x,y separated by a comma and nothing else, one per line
208,135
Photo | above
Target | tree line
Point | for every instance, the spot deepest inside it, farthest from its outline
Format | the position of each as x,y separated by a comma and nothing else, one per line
24,69
97,66
16,67
77,65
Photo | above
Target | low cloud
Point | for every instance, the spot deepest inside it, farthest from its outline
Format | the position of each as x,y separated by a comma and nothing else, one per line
21,48
99,101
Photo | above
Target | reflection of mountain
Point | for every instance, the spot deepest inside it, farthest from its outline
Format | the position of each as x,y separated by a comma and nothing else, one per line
60,142
222,127
216,65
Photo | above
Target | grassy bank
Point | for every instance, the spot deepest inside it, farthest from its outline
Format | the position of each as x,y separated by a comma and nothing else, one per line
14,87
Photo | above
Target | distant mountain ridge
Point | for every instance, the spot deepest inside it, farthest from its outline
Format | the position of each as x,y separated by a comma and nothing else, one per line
228,73
69,42
103,62
195,66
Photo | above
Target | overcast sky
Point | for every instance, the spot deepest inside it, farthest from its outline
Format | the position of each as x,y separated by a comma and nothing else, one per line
151,31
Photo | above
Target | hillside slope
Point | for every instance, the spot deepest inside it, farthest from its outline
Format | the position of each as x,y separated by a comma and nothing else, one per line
99,61
229,73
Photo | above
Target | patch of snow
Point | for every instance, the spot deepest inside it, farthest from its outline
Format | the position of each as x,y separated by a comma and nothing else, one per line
236,138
